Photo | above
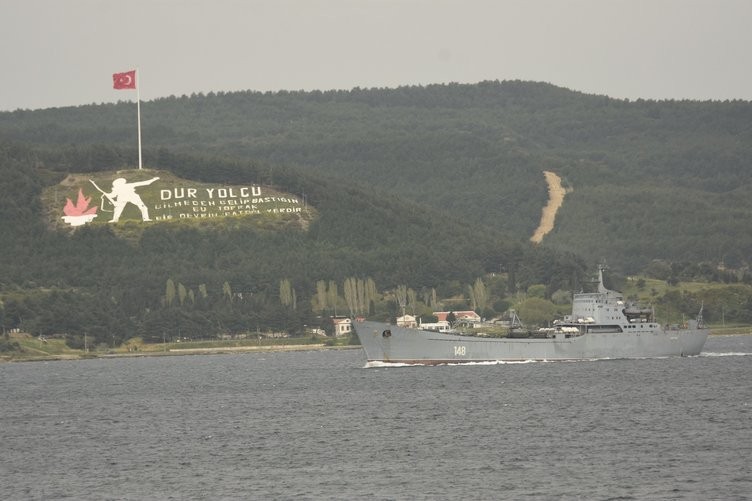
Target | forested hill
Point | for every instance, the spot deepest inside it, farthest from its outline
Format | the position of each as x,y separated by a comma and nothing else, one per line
646,179
258,272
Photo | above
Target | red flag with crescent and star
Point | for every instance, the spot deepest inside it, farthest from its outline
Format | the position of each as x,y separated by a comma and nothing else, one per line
125,80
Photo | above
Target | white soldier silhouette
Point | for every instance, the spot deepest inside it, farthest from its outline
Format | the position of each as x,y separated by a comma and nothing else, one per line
123,193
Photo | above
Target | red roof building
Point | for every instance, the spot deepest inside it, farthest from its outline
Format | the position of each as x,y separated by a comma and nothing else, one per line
461,316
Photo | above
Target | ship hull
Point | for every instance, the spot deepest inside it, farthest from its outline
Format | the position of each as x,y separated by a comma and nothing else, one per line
391,344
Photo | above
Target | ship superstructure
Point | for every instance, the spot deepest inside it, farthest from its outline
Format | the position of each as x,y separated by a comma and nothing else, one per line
601,325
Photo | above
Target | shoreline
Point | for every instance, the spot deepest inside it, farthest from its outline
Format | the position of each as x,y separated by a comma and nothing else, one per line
176,352
226,350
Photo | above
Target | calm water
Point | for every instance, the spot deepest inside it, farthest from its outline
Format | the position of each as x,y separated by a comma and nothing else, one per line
312,425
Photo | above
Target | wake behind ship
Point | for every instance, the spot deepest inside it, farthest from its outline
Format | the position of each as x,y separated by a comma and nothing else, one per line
601,326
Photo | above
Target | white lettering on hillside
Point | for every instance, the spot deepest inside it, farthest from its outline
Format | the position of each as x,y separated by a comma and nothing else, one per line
184,202
211,193
232,192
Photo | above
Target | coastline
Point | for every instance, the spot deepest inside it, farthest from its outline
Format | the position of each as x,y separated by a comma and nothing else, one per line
174,352
39,356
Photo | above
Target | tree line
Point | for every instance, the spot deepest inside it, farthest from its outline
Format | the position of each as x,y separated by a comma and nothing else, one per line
180,277
650,179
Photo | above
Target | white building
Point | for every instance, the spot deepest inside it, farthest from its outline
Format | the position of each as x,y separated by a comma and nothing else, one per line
440,326
342,326
407,321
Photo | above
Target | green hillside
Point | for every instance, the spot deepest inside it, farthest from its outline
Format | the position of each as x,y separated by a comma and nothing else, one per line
648,179
435,188
272,271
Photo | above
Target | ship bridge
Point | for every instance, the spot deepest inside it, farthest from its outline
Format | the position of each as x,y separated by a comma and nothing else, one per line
606,307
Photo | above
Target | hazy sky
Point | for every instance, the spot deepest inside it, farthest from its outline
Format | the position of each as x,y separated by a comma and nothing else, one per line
64,52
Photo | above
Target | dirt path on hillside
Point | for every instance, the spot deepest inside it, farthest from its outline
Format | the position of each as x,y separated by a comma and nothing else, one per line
555,199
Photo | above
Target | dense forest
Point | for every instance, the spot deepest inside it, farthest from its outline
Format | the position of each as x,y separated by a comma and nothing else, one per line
189,279
435,189
647,179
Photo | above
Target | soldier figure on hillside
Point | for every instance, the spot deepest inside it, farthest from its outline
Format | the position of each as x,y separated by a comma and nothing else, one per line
123,193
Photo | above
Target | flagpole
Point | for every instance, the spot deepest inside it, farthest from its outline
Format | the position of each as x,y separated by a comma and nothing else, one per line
138,113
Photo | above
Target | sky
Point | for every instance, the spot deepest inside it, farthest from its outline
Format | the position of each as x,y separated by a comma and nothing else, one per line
57,53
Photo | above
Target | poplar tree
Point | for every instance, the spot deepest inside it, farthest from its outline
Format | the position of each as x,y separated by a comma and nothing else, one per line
479,294
321,294
169,292
371,293
400,293
332,295
350,288
412,299
287,293
361,296
182,293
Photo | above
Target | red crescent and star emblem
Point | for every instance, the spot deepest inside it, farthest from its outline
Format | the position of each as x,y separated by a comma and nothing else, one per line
125,80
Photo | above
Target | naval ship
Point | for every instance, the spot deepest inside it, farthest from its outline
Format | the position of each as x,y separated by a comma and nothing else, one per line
601,326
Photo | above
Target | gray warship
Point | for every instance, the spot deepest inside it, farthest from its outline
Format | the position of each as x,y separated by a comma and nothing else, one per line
601,326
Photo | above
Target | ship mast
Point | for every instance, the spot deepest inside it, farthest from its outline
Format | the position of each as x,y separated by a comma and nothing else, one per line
601,287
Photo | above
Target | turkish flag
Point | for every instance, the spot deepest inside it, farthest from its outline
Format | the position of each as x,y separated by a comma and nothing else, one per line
125,80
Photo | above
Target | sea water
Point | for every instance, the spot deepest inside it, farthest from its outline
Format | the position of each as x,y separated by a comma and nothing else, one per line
319,425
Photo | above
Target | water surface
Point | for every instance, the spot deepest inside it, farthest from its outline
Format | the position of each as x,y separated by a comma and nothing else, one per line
312,425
